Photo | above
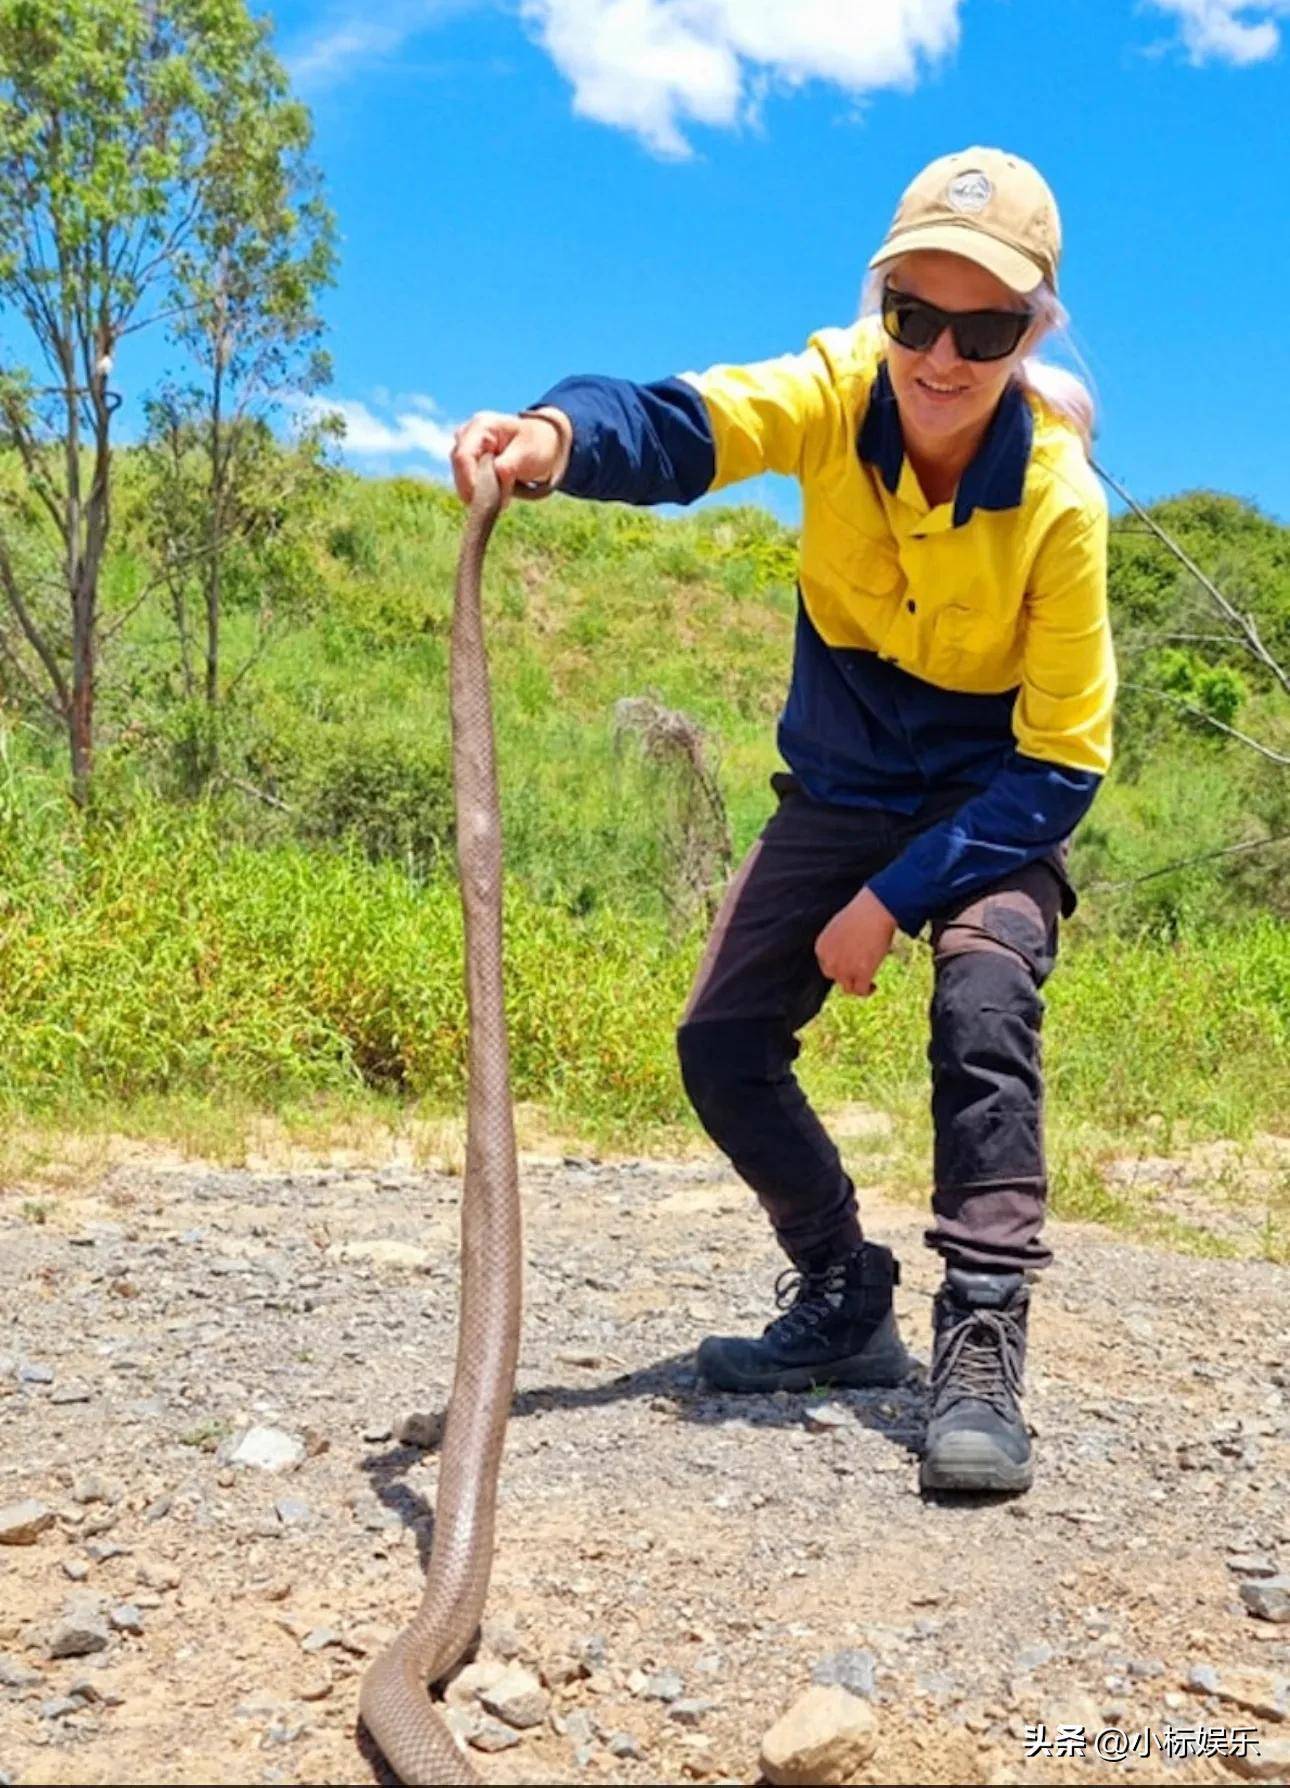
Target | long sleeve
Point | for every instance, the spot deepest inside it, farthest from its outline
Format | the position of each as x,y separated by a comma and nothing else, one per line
1062,725
670,441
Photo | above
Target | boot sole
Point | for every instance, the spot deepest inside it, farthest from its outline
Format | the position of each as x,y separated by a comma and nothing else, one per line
861,1371
967,1461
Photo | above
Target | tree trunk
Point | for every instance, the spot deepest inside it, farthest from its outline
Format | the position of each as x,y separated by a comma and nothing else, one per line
80,715
216,539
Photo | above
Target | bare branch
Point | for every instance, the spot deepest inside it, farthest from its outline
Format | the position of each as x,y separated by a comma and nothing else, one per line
1165,695
35,639
1242,623
173,567
249,788
32,687
1229,850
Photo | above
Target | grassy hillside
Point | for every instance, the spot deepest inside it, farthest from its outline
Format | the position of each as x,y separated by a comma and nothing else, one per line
287,928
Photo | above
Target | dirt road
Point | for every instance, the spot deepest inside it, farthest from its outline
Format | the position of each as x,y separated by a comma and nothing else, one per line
673,1565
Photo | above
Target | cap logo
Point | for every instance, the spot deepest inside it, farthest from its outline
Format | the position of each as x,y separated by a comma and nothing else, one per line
969,192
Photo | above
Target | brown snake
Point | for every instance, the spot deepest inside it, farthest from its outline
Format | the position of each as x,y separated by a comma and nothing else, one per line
394,1699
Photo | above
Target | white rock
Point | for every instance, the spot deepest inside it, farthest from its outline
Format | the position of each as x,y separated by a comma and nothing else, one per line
517,1697
1270,1763
827,1418
383,1252
22,1523
468,1682
826,1736
269,1449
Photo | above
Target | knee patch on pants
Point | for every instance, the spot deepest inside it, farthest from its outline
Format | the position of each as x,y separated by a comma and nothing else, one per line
987,1082
979,996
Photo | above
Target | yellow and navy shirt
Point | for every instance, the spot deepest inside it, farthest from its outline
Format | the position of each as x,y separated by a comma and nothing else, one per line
962,643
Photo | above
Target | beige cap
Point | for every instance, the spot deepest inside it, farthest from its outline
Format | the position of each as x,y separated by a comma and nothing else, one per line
993,208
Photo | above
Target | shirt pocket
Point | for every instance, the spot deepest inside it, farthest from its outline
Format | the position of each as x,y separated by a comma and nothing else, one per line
972,650
855,576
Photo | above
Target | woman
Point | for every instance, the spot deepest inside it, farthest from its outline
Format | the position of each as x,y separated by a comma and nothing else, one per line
947,724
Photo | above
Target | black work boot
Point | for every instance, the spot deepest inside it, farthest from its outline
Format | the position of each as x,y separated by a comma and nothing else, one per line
976,1437
838,1327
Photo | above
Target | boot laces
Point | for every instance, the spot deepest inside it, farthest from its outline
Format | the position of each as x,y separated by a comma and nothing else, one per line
806,1298
980,1356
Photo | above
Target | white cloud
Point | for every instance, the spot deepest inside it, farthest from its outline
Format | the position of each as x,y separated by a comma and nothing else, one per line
351,39
655,66
415,428
1236,31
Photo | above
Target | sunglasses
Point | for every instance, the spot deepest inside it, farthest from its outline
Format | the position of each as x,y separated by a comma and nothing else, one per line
978,334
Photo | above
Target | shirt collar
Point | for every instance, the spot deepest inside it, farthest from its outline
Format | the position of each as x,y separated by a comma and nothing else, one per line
997,474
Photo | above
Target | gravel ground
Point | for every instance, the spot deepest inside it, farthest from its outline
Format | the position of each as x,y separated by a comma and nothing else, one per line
185,1604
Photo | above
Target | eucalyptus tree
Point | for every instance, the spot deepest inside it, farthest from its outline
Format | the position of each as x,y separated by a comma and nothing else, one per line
152,176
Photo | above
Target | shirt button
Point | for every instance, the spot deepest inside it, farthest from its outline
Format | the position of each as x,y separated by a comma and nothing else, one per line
912,606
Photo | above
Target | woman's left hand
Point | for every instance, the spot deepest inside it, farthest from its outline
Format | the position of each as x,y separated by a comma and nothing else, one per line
851,948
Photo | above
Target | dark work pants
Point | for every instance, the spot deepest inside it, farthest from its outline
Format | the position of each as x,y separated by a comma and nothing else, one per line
759,983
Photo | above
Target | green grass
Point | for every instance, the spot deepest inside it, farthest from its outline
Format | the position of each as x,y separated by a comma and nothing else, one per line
189,960
176,966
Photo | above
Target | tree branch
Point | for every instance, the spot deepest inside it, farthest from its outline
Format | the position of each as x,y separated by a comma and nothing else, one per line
1242,623
1165,695
35,639
1229,850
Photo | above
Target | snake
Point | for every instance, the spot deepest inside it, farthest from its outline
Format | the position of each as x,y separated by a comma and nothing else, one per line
394,1699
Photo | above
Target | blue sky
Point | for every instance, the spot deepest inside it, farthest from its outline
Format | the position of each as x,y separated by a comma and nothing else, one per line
528,188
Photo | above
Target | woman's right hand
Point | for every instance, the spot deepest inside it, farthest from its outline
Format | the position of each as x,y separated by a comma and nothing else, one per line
527,449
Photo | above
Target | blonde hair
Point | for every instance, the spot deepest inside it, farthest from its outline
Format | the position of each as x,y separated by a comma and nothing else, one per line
1063,392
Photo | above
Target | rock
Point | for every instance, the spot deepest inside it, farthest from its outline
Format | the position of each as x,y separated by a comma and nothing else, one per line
383,1252
492,1735
1261,1691
825,1736
292,1511
665,1686
1251,1564
1270,1763
1034,1657
827,1418
461,1722
689,1712
501,1639
319,1638
59,1706
1267,1597
155,1573
622,1744
22,1523
14,1674
89,1487
420,1429
559,1671
268,1449
33,1372
852,1669
126,1618
1203,1678
517,1697
316,1689
580,1727
81,1631
462,1689
374,1432
76,1391
76,1569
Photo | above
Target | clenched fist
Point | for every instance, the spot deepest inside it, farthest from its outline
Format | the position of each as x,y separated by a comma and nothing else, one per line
532,449
853,945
